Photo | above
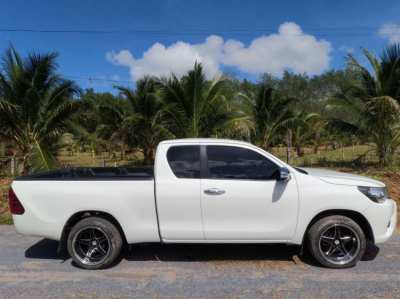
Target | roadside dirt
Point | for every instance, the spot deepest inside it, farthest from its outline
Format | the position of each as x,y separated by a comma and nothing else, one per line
392,180
4,183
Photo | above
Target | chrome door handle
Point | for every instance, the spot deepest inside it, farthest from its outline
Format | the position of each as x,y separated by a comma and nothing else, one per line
214,191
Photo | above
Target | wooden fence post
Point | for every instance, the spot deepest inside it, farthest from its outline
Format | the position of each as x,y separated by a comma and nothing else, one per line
288,146
343,153
12,164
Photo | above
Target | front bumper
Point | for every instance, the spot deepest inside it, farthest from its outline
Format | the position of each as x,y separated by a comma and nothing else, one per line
383,220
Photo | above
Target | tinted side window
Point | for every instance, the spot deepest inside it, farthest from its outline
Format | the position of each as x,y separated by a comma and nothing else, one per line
185,161
229,162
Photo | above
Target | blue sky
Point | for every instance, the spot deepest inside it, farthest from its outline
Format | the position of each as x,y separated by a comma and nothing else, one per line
309,36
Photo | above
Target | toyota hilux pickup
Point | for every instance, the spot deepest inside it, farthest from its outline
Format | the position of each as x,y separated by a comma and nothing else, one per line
204,191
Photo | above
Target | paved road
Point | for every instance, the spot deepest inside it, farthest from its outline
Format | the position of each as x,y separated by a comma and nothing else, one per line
30,268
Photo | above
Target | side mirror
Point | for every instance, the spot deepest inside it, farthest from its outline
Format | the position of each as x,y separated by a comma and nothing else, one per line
284,174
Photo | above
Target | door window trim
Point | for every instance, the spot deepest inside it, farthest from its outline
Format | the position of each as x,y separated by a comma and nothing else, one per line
200,161
205,172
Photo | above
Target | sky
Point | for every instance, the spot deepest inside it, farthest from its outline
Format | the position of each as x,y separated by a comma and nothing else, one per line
106,43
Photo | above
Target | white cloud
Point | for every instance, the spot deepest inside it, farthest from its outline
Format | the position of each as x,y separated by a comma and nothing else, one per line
391,32
178,58
290,49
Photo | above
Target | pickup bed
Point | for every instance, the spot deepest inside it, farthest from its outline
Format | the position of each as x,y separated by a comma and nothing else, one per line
93,173
204,191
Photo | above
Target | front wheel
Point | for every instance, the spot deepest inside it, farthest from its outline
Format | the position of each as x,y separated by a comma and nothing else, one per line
336,242
94,243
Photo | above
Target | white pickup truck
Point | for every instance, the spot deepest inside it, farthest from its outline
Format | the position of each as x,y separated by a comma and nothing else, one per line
204,191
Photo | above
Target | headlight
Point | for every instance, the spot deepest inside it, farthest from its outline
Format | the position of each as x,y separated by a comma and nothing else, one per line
376,194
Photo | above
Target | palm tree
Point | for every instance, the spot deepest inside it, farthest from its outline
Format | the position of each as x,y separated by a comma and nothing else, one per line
99,125
35,107
373,101
197,107
269,113
301,125
145,120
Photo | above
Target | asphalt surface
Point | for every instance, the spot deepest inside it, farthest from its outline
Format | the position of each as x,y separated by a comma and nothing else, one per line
31,268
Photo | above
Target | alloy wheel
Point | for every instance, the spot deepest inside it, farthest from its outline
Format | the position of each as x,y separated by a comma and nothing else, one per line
339,244
91,246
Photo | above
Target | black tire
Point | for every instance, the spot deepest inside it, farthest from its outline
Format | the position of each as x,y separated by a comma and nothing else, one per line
102,240
336,242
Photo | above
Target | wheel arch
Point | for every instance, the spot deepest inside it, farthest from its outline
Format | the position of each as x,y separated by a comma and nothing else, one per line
357,217
75,218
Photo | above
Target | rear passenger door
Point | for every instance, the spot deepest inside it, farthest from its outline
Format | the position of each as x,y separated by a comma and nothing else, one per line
242,199
177,183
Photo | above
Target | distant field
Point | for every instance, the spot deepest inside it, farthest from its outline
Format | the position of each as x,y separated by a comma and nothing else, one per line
352,156
357,159
87,159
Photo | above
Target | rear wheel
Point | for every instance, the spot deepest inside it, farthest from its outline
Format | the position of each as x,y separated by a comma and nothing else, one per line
94,243
336,242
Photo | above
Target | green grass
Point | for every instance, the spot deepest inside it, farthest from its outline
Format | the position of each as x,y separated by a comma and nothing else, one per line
327,155
358,158
86,159
354,157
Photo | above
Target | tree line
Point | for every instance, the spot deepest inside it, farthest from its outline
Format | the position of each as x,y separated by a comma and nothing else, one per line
41,112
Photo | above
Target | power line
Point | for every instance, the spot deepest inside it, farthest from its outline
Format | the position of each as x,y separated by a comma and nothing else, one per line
350,31
90,78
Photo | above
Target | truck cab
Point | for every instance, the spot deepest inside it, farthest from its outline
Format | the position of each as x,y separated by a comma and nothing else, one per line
222,191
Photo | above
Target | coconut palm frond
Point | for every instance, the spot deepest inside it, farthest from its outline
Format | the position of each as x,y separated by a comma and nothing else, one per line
36,106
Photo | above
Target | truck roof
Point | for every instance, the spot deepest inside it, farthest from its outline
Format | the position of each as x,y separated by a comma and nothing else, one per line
205,140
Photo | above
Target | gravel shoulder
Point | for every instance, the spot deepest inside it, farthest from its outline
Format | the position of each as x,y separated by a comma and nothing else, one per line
31,268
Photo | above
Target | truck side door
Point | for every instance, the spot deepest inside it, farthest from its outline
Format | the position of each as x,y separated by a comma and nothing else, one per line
242,198
177,184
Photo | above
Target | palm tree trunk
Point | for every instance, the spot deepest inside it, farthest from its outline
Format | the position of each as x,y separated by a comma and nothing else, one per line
288,146
23,167
317,139
385,154
148,154
123,151
299,150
